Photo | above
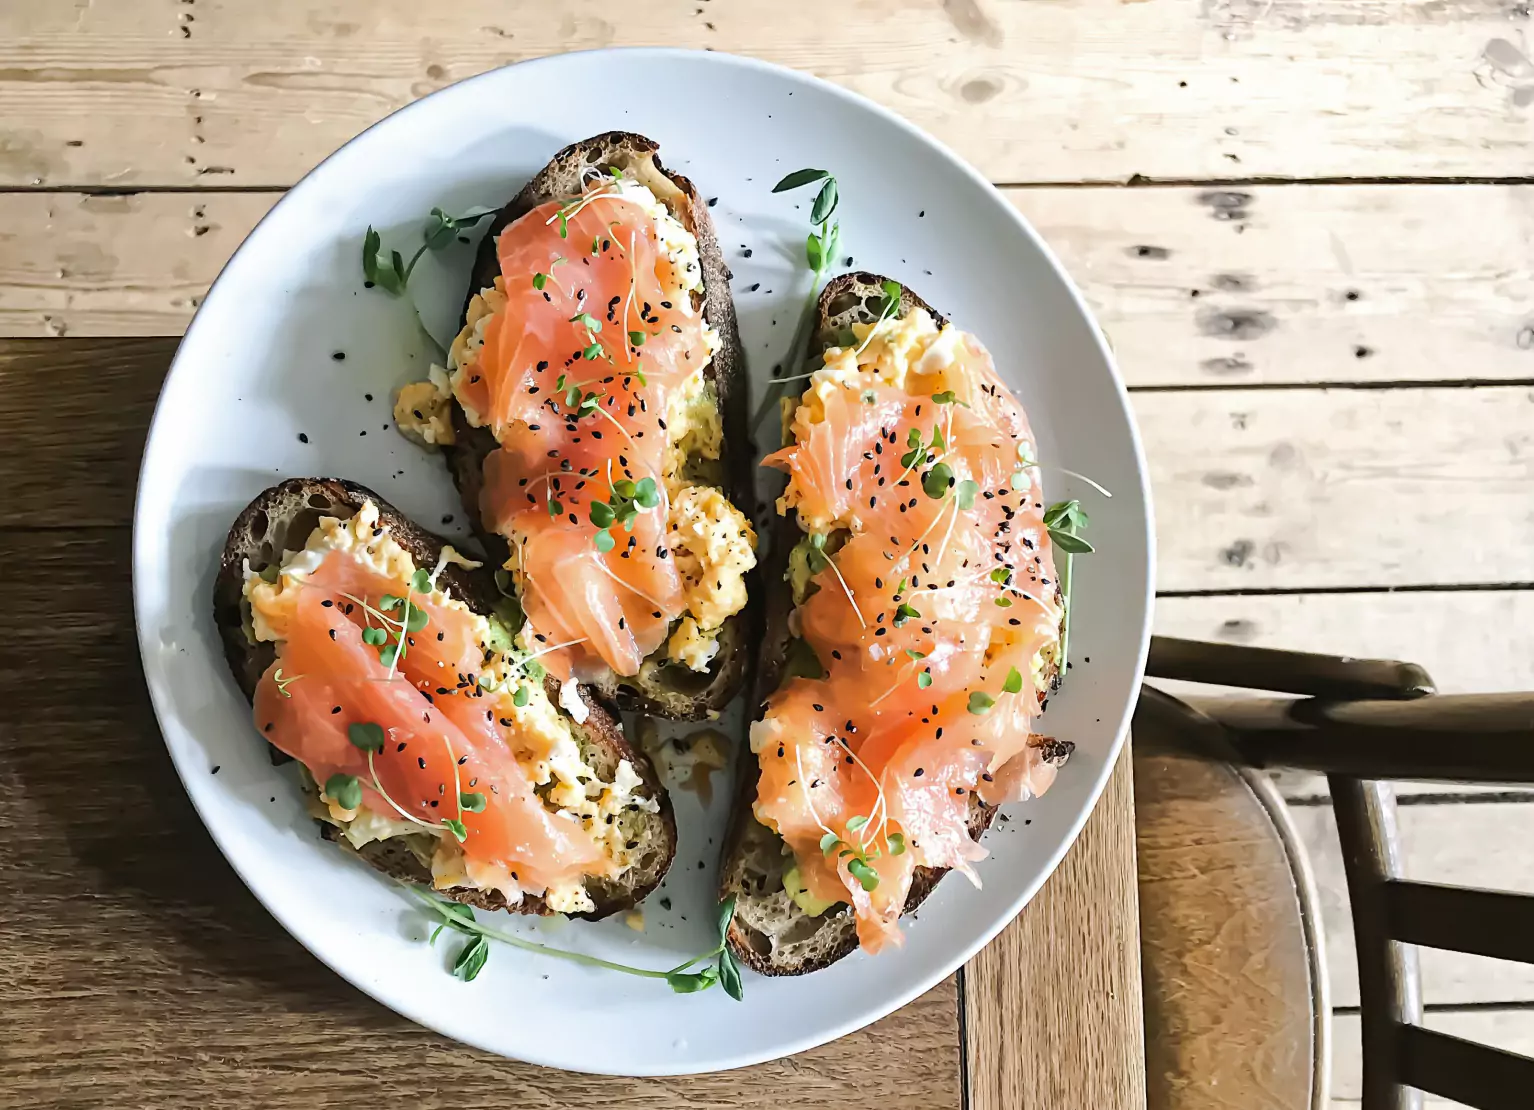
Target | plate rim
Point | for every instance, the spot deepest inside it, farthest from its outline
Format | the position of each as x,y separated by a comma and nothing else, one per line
959,956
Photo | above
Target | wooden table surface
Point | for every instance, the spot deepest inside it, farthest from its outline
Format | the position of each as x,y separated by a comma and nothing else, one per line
1306,225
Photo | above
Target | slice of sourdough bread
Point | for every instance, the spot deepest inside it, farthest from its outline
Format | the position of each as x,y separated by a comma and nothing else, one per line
281,519
663,688
771,932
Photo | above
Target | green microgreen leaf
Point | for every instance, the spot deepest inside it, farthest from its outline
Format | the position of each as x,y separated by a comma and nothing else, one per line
690,982
825,202
636,339
856,823
1003,603
601,514
593,351
556,507
519,699
388,603
729,976
725,916
866,876
374,636
1070,543
815,252
948,397
936,481
472,801
1001,575
472,959
896,843
587,320
924,679
905,612
965,493
980,702
455,826
798,179
540,280
1014,683
1021,481
604,541
388,654
646,494
366,735
417,619
344,790
914,654
829,842
420,581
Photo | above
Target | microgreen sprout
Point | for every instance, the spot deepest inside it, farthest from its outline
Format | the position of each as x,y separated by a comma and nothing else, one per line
625,499
1065,522
390,272
818,561
724,970
820,251
283,681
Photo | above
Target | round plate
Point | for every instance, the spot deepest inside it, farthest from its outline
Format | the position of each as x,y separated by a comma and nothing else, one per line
259,391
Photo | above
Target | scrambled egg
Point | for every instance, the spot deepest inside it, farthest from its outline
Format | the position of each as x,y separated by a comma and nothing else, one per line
544,741
714,546
423,410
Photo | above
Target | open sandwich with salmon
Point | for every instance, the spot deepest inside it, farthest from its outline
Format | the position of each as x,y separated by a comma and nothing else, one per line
911,641
432,744
594,413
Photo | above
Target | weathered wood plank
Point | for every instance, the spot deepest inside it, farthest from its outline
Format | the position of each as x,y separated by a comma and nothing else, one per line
1446,843
1292,489
1302,489
165,92
1194,286
1070,961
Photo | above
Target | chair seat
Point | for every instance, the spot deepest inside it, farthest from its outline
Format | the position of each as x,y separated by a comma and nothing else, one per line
1236,1013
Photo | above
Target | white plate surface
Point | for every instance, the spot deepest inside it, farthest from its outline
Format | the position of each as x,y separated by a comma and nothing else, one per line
257,369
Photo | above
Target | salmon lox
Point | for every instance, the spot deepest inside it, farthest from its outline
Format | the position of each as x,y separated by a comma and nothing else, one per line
926,589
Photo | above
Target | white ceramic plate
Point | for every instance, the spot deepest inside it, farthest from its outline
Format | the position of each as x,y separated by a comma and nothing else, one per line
258,367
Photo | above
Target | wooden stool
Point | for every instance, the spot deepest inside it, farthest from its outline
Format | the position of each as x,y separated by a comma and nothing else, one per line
1235,998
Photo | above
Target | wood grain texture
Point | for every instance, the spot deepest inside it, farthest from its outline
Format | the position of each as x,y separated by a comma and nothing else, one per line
1291,489
1070,961
137,971
1230,1001
231,93
1194,286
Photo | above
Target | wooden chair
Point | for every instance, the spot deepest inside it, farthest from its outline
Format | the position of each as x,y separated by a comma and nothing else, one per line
1358,722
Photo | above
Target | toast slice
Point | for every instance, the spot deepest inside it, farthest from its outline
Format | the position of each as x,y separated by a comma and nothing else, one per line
770,932
281,519
667,690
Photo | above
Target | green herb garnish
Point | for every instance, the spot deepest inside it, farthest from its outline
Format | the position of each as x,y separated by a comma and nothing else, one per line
344,790
1065,521
820,250
390,272
980,702
682,979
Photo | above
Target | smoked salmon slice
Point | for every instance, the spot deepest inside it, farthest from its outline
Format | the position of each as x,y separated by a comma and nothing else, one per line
930,601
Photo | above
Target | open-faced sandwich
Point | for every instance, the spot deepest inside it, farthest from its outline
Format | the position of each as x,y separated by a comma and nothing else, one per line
432,745
911,638
594,413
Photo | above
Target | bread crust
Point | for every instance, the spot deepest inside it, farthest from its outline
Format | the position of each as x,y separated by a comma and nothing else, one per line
754,856
670,691
281,518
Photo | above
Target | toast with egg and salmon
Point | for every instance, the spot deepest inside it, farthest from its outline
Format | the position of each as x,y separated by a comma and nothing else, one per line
594,415
912,635
431,746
